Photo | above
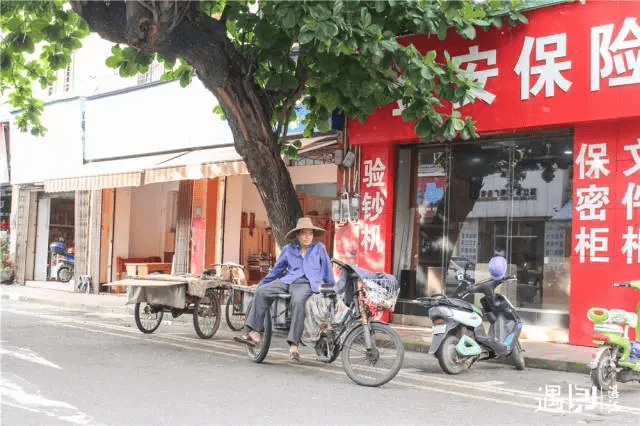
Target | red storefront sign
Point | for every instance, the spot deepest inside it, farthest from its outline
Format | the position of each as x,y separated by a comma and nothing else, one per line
376,208
606,221
571,63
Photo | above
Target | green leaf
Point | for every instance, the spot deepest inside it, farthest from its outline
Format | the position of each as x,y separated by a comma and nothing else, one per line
113,62
306,35
469,32
185,79
289,20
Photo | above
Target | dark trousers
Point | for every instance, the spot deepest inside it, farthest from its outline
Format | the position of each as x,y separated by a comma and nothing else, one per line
265,294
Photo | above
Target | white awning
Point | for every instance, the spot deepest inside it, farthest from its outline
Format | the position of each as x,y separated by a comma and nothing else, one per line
193,172
190,164
116,180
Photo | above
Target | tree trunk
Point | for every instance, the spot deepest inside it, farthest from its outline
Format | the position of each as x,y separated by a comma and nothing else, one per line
179,28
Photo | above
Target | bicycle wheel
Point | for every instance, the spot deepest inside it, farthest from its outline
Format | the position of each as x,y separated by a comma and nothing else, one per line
147,317
206,315
233,311
375,366
258,353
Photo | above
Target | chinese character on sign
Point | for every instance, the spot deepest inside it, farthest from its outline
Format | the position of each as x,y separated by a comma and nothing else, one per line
373,173
372,206
593,157
480,76
591,201
371,238
398,111
620,53
635,154
631,244
550,72
631,199
593,243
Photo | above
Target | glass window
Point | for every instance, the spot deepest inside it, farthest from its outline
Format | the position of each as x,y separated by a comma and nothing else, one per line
499,197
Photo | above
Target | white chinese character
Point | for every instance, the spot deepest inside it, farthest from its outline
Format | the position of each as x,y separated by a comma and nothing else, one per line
631,199
635,153
591,201
631,244
595,157
372,206
373,173
593,243
549,72
398,111
582,399
618,54
371,238
480,76
552,401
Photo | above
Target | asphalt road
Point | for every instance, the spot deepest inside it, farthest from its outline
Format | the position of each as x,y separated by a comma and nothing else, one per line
69,367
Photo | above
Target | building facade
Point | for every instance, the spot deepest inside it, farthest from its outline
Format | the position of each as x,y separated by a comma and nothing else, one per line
553,183
141,171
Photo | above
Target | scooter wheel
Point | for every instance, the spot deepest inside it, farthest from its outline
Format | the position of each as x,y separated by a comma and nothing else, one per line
448,357
64,275
603,374
517,356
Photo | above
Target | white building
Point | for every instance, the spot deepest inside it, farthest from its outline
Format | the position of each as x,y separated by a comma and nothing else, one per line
140,169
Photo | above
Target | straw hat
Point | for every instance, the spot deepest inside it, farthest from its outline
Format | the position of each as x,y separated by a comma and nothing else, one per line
305,223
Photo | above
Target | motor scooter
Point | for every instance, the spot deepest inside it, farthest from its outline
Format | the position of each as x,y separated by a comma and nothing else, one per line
61,261
618,359
459,336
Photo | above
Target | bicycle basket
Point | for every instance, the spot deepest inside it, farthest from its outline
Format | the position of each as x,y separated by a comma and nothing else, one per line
382,291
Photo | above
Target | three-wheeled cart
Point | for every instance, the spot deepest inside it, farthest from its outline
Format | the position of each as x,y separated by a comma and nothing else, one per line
155,294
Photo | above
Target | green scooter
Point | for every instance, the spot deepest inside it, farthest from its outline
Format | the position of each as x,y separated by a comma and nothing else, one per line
619,357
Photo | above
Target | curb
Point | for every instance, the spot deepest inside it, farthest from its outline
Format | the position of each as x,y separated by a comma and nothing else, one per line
531,362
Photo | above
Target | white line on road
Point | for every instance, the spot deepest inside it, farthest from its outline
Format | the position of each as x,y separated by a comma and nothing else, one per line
223,348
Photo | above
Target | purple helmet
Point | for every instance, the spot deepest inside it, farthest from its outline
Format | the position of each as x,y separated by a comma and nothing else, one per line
497,267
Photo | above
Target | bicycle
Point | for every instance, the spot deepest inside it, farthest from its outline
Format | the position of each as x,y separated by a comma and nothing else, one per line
372,352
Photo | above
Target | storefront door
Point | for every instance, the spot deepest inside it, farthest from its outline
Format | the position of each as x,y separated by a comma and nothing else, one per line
469,202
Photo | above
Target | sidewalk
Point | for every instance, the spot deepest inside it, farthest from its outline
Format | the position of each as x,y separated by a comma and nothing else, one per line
544,355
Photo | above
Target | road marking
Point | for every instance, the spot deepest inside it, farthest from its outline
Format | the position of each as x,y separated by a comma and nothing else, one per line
27,355
222,347
15,396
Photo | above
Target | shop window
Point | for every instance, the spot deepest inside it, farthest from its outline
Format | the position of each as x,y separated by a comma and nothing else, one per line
469,202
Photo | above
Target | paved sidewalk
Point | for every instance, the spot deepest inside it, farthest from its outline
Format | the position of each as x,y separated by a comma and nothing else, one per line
545,355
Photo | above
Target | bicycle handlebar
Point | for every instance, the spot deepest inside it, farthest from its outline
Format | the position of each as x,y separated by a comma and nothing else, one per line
339,263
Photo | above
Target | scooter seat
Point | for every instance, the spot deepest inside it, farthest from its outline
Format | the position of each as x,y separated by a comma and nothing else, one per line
458,304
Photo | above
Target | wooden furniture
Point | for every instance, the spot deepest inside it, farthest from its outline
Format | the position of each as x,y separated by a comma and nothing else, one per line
144,269
122,261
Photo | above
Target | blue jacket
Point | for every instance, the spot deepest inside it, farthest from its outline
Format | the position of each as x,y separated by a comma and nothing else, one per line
315,265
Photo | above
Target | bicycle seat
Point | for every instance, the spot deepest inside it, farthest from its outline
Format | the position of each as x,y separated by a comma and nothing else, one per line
284,296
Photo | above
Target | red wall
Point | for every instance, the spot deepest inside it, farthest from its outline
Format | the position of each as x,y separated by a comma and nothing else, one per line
594,270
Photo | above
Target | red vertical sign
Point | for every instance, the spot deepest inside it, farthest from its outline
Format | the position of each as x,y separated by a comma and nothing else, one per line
606,221
376,208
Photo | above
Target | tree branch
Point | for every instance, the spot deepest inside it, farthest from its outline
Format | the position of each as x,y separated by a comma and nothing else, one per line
108,19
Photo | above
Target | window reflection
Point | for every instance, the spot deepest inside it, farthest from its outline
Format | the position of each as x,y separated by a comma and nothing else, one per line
508,197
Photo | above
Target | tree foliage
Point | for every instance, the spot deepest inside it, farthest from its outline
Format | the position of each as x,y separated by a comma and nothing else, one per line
330,54
261,59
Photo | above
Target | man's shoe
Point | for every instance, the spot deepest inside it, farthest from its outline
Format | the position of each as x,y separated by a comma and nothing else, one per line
246,339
